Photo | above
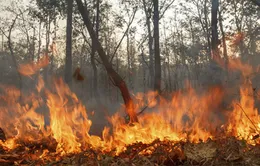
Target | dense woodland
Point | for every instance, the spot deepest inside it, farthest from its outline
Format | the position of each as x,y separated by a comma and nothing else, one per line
98,45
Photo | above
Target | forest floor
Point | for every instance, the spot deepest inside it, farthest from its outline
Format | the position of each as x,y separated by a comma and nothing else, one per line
220,152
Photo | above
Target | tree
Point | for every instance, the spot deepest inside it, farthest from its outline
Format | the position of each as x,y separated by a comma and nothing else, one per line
224,45
8,35
47,12
147,11
200,15
93,51
147,8
214,29
114,76
68,62
157,60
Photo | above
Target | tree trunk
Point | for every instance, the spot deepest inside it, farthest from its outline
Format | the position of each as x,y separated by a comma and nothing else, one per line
93,51
115,77
53,43
128,58
68,62
33,44
9,41
39,41
29,53
157,81
223,39
150,44
207,26
214,28
47,35
2,42
167,63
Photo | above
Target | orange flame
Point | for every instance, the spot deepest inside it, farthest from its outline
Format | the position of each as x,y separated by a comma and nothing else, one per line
31,68
186,116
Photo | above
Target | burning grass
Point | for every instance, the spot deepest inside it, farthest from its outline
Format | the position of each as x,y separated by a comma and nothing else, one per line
185,129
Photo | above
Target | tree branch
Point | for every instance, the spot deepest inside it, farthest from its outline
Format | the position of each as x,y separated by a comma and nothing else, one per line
128,26
166,8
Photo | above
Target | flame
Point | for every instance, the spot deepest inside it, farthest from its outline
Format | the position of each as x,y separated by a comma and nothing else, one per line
244,120
31,68
69,123
186,115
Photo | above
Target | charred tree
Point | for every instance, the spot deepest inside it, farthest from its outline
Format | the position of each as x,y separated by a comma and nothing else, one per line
68,62
114,76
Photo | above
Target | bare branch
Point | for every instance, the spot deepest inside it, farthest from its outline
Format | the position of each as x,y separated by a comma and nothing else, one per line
163,12
166,8
127,29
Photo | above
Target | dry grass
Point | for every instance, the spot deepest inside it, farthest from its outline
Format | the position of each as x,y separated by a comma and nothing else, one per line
221,152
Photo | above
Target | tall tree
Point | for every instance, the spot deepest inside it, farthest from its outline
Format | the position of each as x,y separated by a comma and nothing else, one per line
157,60
224,45
114,76
68,62
93,51
147,11
214,28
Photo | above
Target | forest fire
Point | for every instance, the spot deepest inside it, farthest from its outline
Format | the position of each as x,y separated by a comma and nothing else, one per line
186,117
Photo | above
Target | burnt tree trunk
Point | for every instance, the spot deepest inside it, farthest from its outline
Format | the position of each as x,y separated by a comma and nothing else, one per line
115,77
68,62
157,80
